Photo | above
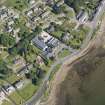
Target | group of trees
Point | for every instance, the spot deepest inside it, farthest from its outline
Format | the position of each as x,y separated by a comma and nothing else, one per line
56,9
7,40
23,46
20,4
4,70
75,37
87,5
35,74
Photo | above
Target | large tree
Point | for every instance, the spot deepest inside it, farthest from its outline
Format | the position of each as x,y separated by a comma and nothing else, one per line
4,71
7,40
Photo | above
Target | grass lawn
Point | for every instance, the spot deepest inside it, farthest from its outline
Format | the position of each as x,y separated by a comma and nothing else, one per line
20,96
54,71
9,60
31,57
57,34
68,11
46,68
69,25
28,91
6,103
13,78
63,53
4,54
2,82
84,28
17,98
70,14
33,54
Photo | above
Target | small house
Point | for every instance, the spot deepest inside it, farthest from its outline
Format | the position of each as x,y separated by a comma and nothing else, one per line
18,84
8,88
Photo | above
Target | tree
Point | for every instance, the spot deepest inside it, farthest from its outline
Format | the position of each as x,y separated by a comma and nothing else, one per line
7,40
37,30
4,71
14,52
34,80
39,73
33,76
69,2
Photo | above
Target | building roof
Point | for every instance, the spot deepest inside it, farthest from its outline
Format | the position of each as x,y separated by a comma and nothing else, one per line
38,41
9,88
18,84
45,36
53,42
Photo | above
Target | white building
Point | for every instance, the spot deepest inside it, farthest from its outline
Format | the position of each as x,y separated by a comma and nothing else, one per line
45,36
8,89
2,96
31,2
19,84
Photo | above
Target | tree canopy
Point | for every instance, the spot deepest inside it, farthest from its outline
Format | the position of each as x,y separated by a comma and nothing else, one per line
4,70
7,40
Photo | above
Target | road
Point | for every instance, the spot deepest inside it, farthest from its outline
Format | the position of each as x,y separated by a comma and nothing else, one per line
43,87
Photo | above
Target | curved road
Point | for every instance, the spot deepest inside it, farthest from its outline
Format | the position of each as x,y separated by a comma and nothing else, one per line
75,54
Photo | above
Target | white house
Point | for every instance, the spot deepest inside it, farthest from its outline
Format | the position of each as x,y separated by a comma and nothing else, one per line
2,96
45,36
8,89
19,84
31,2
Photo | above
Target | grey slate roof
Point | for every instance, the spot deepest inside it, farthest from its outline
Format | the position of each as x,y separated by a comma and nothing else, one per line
39,43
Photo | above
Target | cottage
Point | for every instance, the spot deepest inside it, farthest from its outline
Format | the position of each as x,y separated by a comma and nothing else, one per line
9,29
29,13
16,16
8,88
16,31
49,2
60,2
3,15
10,22
2,96
18,61
45,14
18,84
35,18
82,16
24,70
39,61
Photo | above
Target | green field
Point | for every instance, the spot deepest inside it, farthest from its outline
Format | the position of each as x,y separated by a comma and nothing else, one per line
28,91
6,102
21,96
17,4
